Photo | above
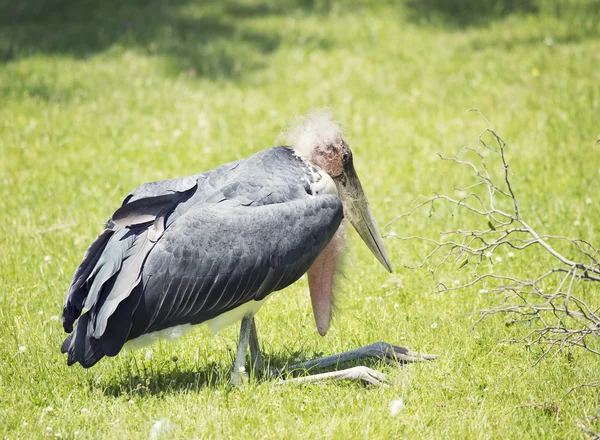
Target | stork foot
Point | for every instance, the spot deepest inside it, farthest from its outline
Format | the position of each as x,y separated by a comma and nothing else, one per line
380,350
360,374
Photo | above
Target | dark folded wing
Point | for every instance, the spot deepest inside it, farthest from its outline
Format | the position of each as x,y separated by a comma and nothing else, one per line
218,257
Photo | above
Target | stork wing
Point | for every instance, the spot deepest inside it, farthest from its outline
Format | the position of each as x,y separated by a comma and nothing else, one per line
218,257
212,259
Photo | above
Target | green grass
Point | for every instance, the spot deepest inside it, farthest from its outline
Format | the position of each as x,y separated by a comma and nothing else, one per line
99,96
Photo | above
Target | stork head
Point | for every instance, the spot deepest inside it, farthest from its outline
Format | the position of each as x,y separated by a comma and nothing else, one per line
319,138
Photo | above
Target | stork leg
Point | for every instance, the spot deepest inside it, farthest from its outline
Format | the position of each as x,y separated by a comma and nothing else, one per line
381,350
238,375
258,364
248,337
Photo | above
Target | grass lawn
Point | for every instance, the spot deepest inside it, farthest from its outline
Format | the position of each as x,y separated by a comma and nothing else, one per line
97,97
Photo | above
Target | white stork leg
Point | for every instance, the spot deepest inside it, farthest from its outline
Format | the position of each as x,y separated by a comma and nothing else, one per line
239,375
248,337
258,364
381,350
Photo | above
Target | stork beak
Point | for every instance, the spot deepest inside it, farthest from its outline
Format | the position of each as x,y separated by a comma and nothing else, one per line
358,212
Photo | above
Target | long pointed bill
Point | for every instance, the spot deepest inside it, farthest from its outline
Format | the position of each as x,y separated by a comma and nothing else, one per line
358,212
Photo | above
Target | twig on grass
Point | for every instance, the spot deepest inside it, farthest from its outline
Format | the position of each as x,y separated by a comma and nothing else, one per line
549,303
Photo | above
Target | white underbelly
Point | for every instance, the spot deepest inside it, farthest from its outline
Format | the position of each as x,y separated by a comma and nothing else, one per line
214,325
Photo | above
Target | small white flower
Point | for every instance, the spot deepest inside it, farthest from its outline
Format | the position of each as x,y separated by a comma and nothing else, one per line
483,291
488,254
434,325
498,259
242,370
54,318
456,282
576,223
48,409
396,406
84,410
160,427
176,133
511,254
22,348
202,121
47,258
588,201
48,428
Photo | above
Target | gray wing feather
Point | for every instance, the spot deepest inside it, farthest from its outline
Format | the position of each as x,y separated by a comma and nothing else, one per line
127,279
108,265
77,292
143,206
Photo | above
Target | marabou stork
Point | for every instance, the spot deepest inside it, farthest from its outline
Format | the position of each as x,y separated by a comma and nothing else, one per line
211,248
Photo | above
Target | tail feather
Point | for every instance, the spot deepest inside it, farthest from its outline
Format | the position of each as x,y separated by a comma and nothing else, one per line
82,347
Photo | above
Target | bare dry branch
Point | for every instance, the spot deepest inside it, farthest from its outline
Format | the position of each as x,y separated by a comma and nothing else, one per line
549,304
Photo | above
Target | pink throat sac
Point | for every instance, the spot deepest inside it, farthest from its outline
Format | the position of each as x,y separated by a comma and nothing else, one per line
320,280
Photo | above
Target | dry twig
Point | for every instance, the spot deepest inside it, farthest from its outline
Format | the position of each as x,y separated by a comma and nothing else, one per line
549,299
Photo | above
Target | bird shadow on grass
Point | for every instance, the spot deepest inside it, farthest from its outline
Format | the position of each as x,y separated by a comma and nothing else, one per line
136,378
159,378
460,14
201,38
457,15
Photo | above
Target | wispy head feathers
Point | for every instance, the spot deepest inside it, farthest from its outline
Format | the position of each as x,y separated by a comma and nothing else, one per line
317,129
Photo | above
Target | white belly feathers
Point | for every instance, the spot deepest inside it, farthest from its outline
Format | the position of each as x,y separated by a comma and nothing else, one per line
214,325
